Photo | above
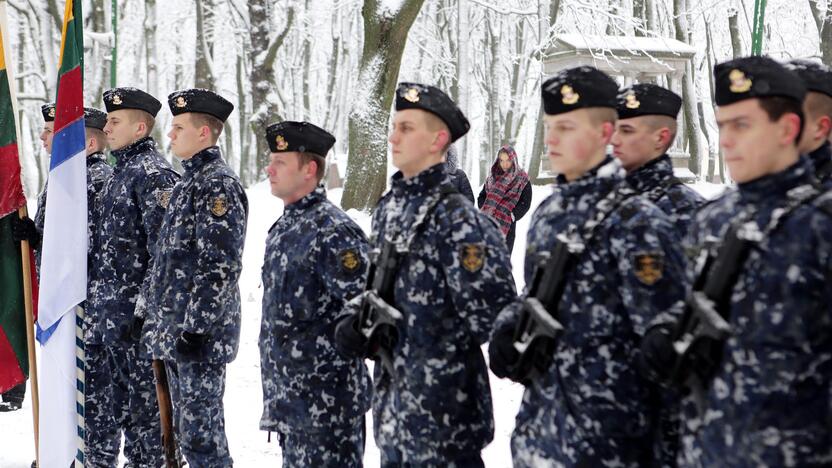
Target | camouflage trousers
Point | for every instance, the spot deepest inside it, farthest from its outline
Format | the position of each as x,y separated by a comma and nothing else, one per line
102,437
196,390
134,404
339,446
392,458
535,448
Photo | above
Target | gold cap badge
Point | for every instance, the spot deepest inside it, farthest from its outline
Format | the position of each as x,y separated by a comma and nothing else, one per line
117,99
472,257
412,95
52,112
281,143
649,268
632,102
180,102
739,82
569,95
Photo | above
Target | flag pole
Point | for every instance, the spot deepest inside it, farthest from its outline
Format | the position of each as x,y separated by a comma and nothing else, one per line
25,256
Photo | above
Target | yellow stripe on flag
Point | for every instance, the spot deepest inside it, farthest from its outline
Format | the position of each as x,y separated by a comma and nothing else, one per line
67,19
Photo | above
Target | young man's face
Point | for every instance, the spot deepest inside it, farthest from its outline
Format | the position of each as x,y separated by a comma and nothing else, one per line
184,137
752,144
634,142
121,129
574,143
287,176
46,136
412,142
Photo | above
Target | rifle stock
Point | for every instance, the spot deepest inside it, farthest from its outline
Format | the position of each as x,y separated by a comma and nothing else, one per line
166,414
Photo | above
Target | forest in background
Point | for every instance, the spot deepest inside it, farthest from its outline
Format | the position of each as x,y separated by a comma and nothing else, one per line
336,63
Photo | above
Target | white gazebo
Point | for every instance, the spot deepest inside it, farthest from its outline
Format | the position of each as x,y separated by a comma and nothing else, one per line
630,60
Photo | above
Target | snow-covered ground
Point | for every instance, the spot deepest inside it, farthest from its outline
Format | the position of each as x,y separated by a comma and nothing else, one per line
243,397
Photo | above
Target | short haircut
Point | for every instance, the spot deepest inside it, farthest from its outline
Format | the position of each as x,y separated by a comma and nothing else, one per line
99,135
600,115
214,124
137,115
435,124
656,122
817,105
306,157
776,107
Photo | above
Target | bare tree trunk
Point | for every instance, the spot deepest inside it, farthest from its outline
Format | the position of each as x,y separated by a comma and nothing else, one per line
385,38
691,113
824,25
538,146
204,73
734,30
245,135
263,83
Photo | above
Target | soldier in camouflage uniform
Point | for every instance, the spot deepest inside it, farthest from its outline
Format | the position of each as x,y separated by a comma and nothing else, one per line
590,406
316,260
767,401
645,129
433,408
132,206
193,317
817,116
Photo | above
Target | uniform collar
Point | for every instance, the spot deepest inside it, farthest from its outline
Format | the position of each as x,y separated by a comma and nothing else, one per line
821,156
123,155
421,183
310,199
652,174
776,185
95,158
200,159
600,178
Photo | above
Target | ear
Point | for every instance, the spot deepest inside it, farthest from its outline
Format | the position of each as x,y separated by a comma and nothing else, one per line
791,129
91,143
664,137
141,128
607,129
441,140
825,126
311,169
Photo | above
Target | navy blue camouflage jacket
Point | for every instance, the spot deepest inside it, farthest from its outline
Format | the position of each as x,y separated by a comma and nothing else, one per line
656,181
630,272
316,261
131,209
822,161
770,403
452,281
197,261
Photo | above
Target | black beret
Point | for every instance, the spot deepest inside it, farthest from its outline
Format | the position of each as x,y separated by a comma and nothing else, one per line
433,100
94,118
48,111
755,77
647,99
131,98
302,137
816,76
199,100
578,88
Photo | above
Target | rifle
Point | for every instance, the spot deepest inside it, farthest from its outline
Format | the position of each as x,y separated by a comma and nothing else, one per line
166,414
538,327
700,335
377,318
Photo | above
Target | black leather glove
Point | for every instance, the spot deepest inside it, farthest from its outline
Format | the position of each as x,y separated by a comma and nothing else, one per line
657,353
501,352
24,229
348,340
191,345
133,332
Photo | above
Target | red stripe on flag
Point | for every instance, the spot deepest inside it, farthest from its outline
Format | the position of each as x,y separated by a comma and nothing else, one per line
70,104
11,189
10,373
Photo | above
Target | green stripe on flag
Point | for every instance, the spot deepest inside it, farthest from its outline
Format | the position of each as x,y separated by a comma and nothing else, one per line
12,307
7,124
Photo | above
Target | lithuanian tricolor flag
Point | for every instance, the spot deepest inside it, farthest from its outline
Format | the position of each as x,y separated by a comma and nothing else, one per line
14,362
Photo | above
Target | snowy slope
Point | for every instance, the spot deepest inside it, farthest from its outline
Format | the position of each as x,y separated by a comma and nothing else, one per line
243,398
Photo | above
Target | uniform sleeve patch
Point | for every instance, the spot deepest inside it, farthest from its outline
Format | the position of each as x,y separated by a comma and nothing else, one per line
649,267
163,198
472,257
350,260
219,207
